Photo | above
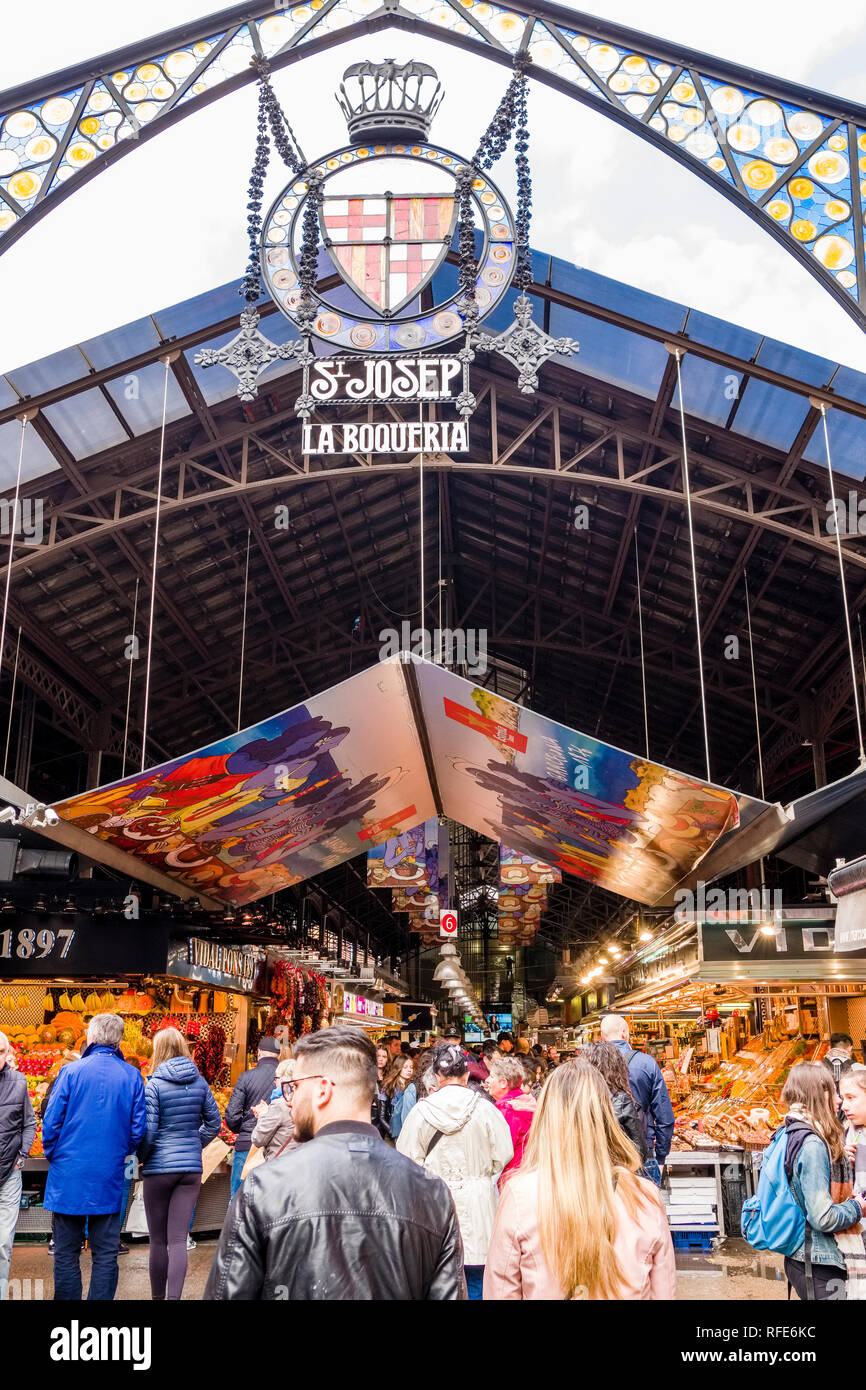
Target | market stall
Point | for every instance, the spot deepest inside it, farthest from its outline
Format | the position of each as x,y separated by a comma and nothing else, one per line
57,972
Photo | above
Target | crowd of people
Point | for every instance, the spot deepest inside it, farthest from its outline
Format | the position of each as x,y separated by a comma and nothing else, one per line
502,1172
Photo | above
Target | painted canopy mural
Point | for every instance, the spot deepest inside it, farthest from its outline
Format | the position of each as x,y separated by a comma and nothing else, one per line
345,772
274,804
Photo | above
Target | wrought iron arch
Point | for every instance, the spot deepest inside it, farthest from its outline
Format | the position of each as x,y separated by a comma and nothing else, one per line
788,156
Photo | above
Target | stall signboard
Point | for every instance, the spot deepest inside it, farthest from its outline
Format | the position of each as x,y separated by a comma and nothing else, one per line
798,944
238,968
76,945
357,1004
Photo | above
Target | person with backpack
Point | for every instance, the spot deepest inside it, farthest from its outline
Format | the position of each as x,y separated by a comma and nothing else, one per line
649,1092
457,1135
804,1208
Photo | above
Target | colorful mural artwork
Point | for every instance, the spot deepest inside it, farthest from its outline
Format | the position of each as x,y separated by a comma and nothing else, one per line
409,865
267,807
524,884
562,797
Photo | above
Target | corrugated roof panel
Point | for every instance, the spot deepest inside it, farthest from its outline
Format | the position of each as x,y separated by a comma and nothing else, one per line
624,299
847,435
770,414
610,353
139,395
36,461
121,343
86,423
709,390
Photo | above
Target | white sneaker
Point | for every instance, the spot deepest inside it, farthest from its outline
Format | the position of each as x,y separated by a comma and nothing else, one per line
190,1243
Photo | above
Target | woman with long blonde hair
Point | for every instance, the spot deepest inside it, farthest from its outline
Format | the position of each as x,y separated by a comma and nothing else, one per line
576,1221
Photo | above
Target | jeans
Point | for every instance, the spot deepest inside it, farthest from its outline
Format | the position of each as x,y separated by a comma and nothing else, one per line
474,1281
238,1161
652,1171
103,1236
10,1205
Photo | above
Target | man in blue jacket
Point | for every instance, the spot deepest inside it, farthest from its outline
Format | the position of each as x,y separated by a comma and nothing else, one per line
649,1091
94,1120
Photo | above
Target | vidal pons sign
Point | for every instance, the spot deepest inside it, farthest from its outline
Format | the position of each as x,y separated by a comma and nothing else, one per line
382,253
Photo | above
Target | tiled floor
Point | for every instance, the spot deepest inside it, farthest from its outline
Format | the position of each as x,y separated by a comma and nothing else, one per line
732,1272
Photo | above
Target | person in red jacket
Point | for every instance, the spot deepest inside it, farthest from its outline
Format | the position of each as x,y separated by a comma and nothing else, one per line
504,1085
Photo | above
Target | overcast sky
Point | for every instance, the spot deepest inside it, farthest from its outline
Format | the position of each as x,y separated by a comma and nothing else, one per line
168,221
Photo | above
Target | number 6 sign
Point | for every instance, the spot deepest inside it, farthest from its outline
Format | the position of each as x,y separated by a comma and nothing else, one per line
447,922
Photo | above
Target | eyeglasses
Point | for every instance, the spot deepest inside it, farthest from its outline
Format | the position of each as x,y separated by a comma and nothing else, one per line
288,1087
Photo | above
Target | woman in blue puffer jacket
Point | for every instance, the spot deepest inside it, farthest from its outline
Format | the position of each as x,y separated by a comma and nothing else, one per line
182,1117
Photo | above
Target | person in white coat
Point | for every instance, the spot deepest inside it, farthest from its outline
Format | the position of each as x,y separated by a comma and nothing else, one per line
456,1134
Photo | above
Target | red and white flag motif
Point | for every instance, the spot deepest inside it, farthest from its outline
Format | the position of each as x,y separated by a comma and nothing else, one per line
388,247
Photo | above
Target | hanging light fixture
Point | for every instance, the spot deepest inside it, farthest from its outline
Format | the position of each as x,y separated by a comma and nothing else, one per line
447,969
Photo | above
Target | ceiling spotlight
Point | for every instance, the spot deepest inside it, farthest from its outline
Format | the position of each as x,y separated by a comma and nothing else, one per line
646,936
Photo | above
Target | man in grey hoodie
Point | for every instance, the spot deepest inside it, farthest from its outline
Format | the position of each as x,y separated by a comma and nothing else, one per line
457,1135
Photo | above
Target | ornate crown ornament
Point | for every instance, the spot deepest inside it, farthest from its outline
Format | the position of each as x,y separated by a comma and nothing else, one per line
392,101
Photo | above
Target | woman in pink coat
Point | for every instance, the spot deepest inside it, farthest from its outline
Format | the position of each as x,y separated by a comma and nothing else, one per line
504,1085
576,1221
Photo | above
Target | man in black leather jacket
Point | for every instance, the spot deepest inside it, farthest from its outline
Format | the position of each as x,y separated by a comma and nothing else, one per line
343,1216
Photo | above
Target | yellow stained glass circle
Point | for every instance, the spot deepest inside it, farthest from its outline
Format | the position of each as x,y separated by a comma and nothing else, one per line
838,209
57,111
648,85
488,197
805,125
8,162
201,50
118,78
105,142
702,143
602,57
779,210
99,101
635,64
847,279
670,109
717,163
581,44
765,113
89,126
801,189
505,26
838,142
620,82
148,72
657,123
682,91
80,154
758,174
728,101
7,219
21,123
781,149
835,252
743,137
663,70
161,91
146,110
42,147
500,253
693,115
828,167
803,230
861,140
500,231
547,55
136,91
23,185
678,133
180,64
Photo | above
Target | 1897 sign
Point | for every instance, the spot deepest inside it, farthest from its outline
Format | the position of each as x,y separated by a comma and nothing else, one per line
385,381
